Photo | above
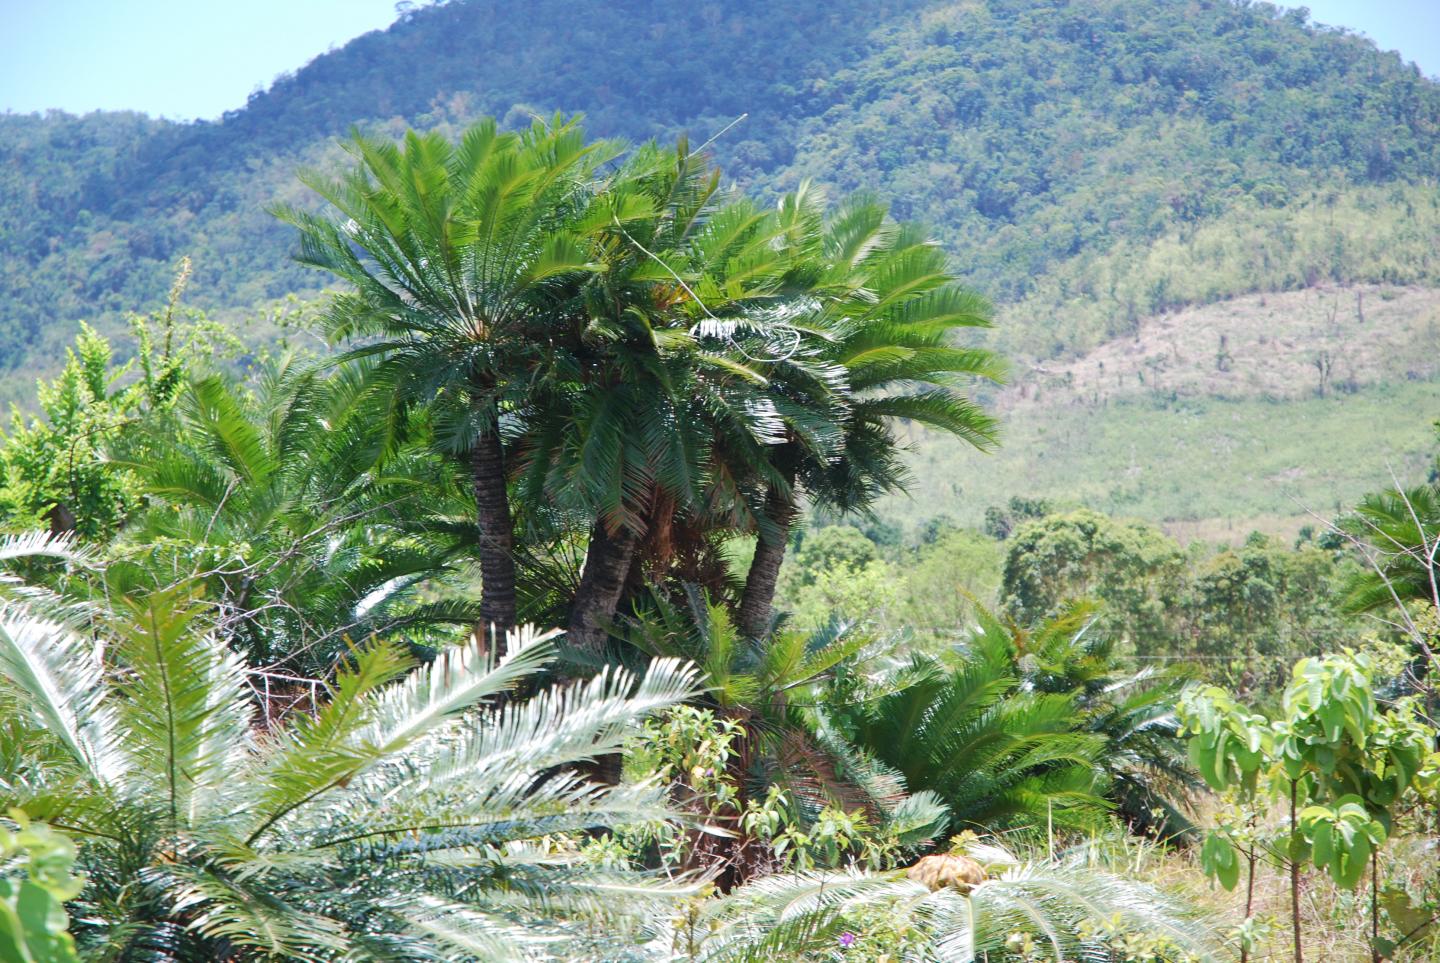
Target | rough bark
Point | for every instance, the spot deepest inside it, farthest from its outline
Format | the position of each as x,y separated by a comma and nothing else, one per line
497,538
758,599
602,583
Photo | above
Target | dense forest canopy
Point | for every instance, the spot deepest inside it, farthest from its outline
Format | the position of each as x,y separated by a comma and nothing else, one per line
1009,125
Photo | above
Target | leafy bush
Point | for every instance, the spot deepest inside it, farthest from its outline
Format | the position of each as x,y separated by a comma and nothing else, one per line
36,878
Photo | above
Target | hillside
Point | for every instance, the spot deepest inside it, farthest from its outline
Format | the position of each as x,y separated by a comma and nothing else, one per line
1107,170
1218,419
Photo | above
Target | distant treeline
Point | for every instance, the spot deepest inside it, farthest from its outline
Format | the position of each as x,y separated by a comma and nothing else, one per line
1051,144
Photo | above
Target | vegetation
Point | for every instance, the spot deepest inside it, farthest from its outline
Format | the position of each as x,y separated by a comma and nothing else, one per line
350,830
1089,169
1353,768
38,864
270,682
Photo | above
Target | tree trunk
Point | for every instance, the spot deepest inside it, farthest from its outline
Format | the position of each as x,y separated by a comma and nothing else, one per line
1250,857
758,600
497,538
602,582
1375,955
1295,876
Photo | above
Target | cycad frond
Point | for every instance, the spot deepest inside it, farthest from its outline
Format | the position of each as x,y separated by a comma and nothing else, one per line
457,680
57,679
44,545
806,912
338,835
184,704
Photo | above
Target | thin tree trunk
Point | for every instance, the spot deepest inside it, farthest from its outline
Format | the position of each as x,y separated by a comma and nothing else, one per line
497,538
1294,876
758,599
1250,857
1375,954
602,582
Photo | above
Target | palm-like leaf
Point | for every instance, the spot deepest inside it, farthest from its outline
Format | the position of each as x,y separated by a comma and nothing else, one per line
995,754
1051,901
1132,711
885,311
307,517
55,677
1401,531
343,835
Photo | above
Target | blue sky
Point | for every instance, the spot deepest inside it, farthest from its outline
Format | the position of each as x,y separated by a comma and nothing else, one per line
198,58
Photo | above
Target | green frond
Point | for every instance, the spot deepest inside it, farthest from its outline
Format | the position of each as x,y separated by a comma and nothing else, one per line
475,934
318,751
244,915
56,677
45,545
184,704
938,409
388,718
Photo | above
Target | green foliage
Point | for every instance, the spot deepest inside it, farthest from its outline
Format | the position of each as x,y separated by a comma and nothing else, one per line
1131,568
1133,711
1341,838
830,547
53,469
966,729
311,520
36,879
1397,532
929,592
760,760
1086,169
1061,909
1246,612
941,585
1228,745
1259,605
1000,122
1333,728
694,752
837,570
400,817
1000,522
1352,762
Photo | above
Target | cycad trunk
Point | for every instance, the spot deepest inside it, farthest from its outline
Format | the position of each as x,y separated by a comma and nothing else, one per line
758,599
497,536
602,582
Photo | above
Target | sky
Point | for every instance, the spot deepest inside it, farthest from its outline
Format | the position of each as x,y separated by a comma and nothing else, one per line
181,59
187,59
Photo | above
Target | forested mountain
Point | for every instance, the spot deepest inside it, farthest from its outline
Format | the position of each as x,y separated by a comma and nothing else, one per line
1090,164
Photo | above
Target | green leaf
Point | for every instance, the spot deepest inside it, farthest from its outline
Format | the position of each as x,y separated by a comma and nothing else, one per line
1219,859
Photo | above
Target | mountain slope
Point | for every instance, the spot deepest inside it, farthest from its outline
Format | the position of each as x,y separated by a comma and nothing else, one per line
1251,412
1091,164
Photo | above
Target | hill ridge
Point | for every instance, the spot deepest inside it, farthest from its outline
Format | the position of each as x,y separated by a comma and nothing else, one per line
1089,163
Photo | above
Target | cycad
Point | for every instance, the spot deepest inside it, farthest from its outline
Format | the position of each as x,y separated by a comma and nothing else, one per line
398,818
1132,711
464,262
304,517
1063,910
769,687
966,730
1400,533
887,312
667,397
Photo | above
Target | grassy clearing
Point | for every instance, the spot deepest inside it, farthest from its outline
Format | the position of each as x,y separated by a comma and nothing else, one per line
1217,466
1335,925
